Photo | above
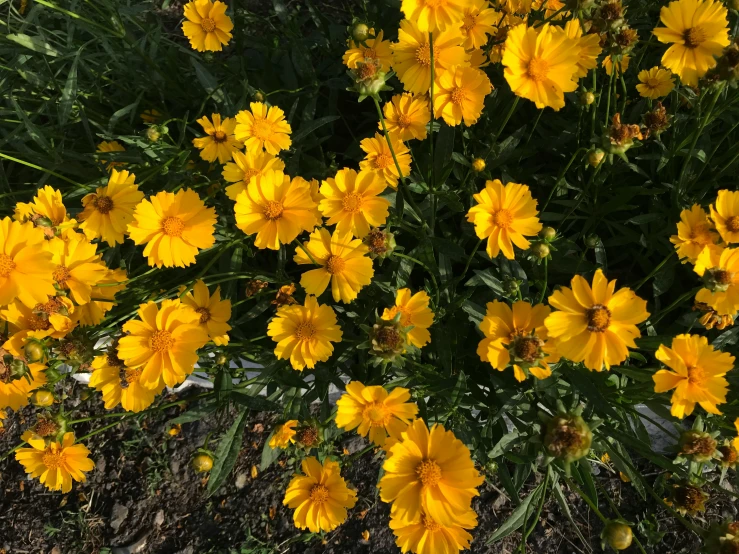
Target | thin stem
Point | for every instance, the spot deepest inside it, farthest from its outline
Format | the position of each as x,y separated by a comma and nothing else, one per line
44,170
653,272
674,305
546,280
696,136
500,130
542,499
307,252
561,176
610,86
469,261
431,103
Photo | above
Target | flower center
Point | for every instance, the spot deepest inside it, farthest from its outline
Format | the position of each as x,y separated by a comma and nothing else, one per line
263,129
423,55
458,95
305,331
404,121
527,348
429,473
732,224
103,204
352,202
694,37
319,494
696,376
503,218
60,275
37,323
220,136
128,376
204,314
208,25
173,226
430,524
652,82
538,69
369,53
382,161
7,265
161,341
469,22
53,460
701,234
722,277
50,307
273,210
251,172
335,264
599,318
377,414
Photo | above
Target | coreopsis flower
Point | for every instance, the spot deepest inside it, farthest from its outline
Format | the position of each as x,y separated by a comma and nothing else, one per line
255,286
460,95
541,64
655,83
283,435
304,333
478,21
388,340
343,262
163,343
698,31
414,312
595,325
55,464
121,385
553,9
111,146
406,116
26,267
687,498
478,59
174,227
412,55
108,211
621,65
517,335
695,231
17,384
589,45
263,128
207,27
697,373
276,209
729,455
719,268
711,319
351,201
103,298
246,165
504,215
735,442
219,142
47,210
567,437
432,16
78,266
376,411
697,446
379,157
426,536
319,496
371,49
429,473
725,215
214,313
54,318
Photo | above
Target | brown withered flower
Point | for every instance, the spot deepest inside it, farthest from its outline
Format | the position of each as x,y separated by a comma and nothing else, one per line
285,296
711,318
656,121
254,286
697,446
688,499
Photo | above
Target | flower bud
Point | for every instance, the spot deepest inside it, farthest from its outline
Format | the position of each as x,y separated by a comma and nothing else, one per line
688,499
42,398
478,165
202,463
540,250
618,535
591,241
567,437
595,157
153,134
259,96
360,32
548,233
33,352
587,98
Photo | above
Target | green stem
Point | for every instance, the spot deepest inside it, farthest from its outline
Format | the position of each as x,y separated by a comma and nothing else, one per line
44,170
538,512
696,136
127,415
500,130
608,98
561,176
674,305
653,272
546,280
307,252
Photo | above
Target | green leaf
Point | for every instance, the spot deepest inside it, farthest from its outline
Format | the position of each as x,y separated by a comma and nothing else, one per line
208,82
69,94
256,403
311,126
226,453
269,454
459,390
444,148
517,517
195,414
565,507
34,43
33,131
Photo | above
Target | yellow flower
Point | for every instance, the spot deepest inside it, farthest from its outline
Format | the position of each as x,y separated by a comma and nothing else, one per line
406,116
375,49
478,21
379,157
412,55
426,536
595,325
219,142
163,343
504,214
506,23
111,146
263,128
351,201
655,83
151,116
174,227
735,442
3,415
276,209
55,318
375,411
15,392
78,266
589,45
319,497
697,374
246,165
726,215
552,7
214,313
460,95
429,473
55,464
698,31
207,26
108,211
304,333
694,231
46,204
121,385
719,268
93,312
343,263
434,15
478,59
541,64
621,66
515,6
517,335
25,265
414,312
283,435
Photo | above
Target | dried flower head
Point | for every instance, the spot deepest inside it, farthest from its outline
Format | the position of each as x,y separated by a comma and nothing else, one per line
284,296
711,318
254,286
688,499
567,437
697,446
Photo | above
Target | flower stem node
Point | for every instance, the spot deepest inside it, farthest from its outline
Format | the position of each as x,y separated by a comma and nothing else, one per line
617,535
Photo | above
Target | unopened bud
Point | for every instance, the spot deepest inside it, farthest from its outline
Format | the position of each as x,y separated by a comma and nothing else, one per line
587,98
478,165
34,352
568,437
595,157
42,398
360,32
202,463
548,233
591,241
259,96
153,134
618,535
540,250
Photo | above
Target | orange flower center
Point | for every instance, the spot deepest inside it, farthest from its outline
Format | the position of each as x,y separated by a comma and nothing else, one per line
208,24
263,129
527,348
60,275
173,226
305,331
377,414
369,53
722,277
50,307
382,161
161,341
7,265
429,473
319,494
469,22
694,36
459,95
204,314
538,69
335,264
220,136
599,318
696,376
430,524
251,172
503,218
404,121
103,204
37,323
652,82
701,234
423,54
53,460
128,376
352,202
273,210
732,224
